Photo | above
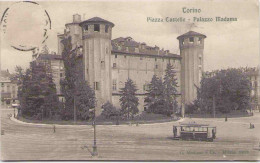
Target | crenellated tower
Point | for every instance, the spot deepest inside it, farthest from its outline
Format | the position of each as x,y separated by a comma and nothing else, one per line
191,46
96,41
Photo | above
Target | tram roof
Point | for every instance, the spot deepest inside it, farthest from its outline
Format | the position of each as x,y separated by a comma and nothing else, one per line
193,125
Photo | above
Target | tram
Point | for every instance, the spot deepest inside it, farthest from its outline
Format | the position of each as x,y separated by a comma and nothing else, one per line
194,131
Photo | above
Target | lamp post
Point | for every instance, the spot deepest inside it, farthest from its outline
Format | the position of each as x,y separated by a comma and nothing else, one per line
95,153
14,112
75,116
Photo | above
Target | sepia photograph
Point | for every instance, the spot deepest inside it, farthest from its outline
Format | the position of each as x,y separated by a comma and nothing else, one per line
117,80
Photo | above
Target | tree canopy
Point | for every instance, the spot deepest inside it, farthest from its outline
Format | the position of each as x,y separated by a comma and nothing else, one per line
230,89
74,86
128,99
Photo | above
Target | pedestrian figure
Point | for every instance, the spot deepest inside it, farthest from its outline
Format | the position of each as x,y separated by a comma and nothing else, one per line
213,134
54,129
174,131
252,126
226,119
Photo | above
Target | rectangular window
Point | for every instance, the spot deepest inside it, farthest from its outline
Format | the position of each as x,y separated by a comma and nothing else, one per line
156,66
200,40
191,39
146,87
114,85
200,61
96,27
155,59
86,28
125,56
106,28
96,86
102,64
61,75
114,65
115,56
8,88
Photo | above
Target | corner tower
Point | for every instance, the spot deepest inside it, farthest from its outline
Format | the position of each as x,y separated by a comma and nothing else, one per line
191,46
96,36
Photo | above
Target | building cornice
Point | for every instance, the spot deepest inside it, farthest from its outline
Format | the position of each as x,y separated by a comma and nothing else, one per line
117,52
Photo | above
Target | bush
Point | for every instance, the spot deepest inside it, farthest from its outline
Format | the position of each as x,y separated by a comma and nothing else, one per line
109,111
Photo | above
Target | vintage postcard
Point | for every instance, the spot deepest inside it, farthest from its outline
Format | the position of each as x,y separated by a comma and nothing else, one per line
164,80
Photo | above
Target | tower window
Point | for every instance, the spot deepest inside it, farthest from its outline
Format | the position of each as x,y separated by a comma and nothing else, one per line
191,39
114,65
102,64
86,28
200,40
96,27
106,28
96,86
114,85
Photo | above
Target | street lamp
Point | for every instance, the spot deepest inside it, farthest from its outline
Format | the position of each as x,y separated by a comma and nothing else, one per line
14,112
95,153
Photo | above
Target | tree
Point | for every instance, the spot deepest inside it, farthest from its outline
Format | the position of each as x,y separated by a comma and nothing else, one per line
85,100
128,99
74,86
230,88
155,95
170,90
37,92
109,110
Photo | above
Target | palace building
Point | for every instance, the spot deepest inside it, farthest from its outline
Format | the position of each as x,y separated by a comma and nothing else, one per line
108,63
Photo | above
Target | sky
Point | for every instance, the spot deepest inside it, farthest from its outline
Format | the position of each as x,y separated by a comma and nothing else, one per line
228,44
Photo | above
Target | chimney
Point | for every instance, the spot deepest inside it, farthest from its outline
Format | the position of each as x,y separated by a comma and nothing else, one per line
157,49
76,18
143,45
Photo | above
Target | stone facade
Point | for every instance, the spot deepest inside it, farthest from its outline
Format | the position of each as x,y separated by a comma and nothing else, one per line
191,49
9,89
55,63
254,77
107,63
